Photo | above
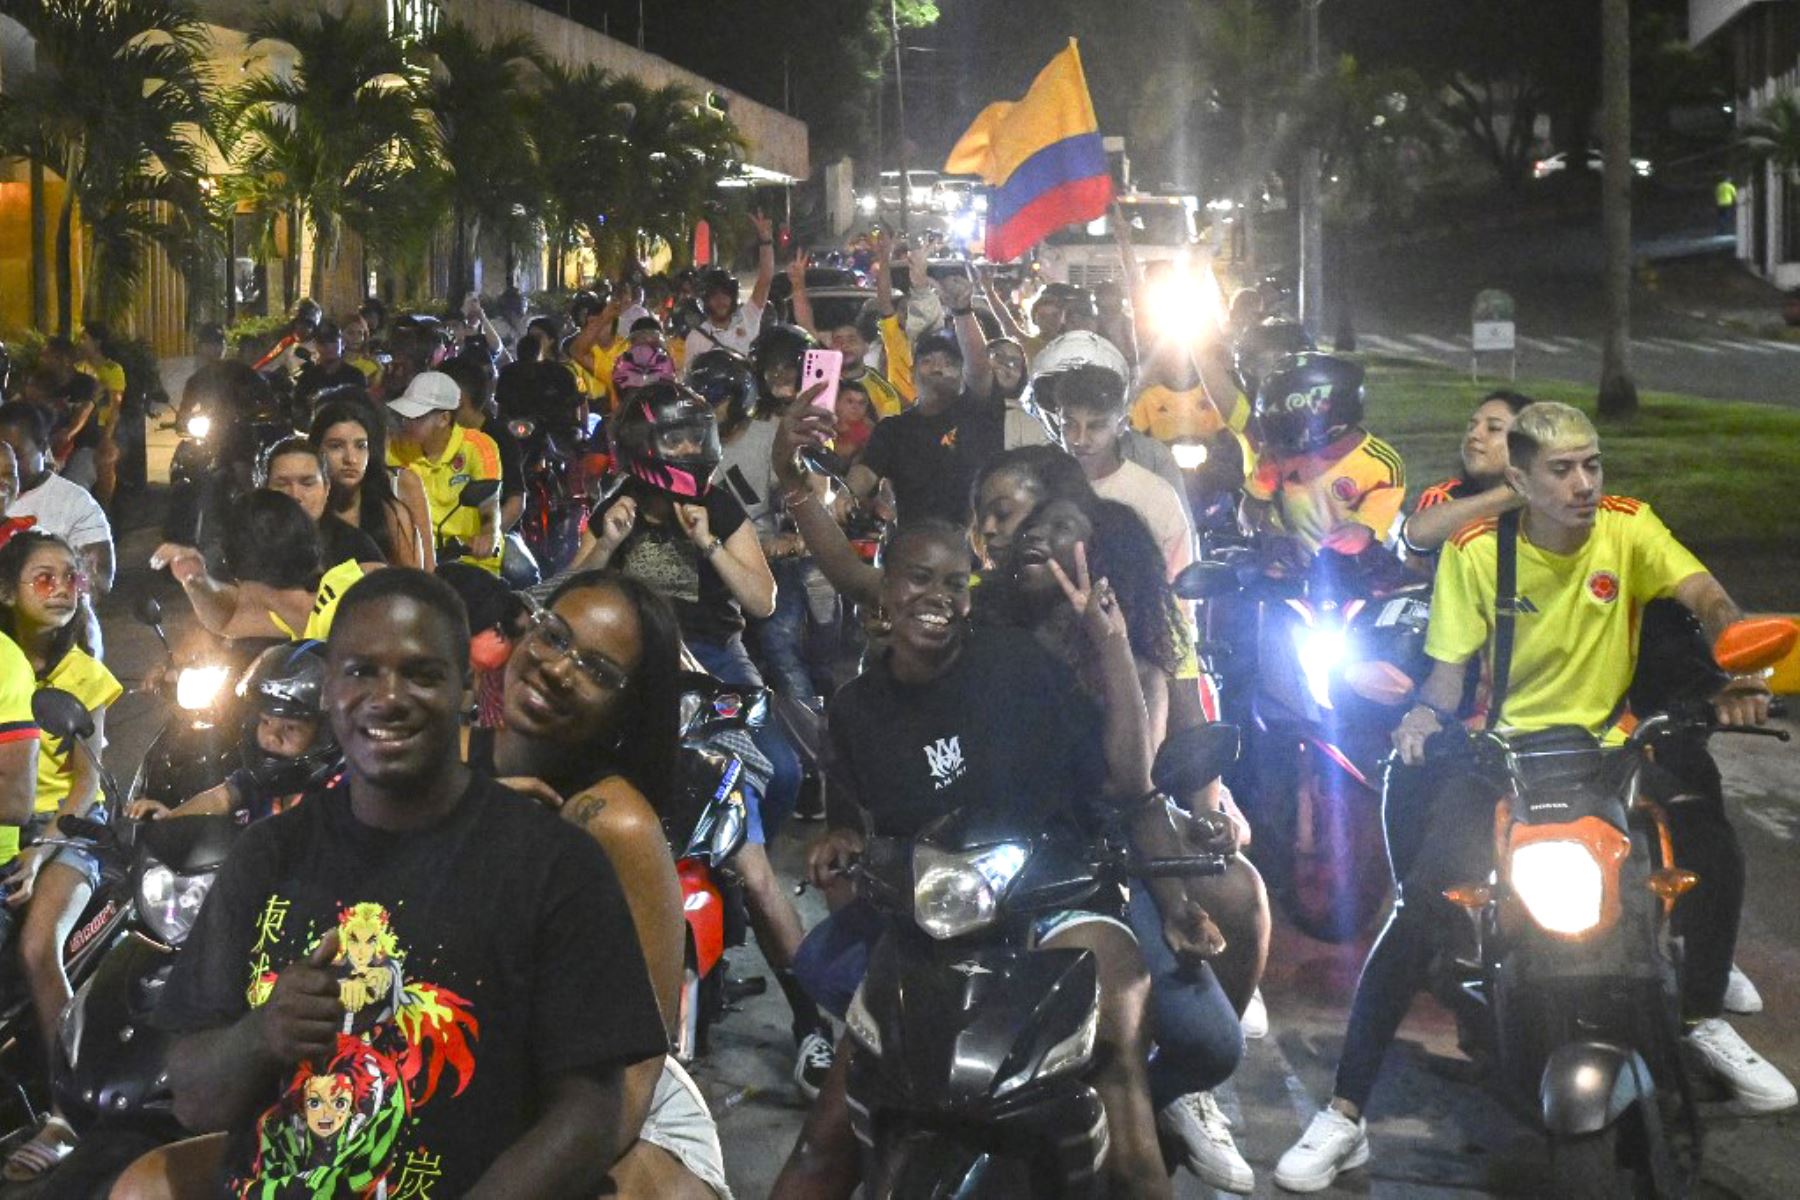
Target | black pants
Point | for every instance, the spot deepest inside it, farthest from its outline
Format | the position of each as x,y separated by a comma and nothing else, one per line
1440,833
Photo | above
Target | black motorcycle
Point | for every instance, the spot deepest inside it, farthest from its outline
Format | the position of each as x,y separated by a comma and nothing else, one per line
555,492
969,1069
197,746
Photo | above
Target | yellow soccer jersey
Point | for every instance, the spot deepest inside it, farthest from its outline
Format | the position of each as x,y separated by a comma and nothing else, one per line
90,682
1575,638
469,455
17,683
1358,479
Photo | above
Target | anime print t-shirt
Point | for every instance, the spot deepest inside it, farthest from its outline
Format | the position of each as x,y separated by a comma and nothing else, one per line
477,960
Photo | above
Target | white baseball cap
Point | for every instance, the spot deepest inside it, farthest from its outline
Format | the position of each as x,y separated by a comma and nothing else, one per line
429,391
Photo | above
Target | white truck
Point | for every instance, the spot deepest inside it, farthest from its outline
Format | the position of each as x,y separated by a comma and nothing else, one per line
1162,228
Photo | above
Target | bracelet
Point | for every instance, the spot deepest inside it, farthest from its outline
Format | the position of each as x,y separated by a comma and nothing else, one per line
1443,716
716,545
797,497
963,312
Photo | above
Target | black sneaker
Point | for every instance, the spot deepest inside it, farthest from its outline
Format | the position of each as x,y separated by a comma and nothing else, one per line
810,804
813,1064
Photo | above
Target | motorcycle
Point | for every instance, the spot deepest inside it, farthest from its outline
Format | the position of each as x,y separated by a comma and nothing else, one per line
197,746
518,567
214,462
60,715
555,494
1571,991
970,1050
1337,650
706,824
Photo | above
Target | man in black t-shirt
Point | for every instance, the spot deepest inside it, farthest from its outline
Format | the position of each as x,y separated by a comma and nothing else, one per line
931,452
417,982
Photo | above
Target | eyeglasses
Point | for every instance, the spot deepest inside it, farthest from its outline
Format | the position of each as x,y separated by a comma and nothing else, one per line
551,640
47,583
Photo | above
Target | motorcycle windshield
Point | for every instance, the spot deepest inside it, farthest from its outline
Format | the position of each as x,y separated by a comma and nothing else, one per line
1562,775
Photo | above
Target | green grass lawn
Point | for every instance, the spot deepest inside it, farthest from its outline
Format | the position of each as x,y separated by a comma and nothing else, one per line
1723,476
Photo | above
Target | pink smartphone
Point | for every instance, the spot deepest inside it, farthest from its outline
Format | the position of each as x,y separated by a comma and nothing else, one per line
822,366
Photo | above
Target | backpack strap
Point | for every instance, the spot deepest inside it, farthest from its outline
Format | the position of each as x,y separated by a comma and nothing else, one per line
1506,607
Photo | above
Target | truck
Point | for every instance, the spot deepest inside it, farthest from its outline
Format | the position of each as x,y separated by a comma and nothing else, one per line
1162,228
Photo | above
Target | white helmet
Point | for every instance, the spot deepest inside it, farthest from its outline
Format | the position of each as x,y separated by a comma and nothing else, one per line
1079,350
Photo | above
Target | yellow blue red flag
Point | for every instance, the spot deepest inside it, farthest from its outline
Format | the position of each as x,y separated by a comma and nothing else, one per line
1041,158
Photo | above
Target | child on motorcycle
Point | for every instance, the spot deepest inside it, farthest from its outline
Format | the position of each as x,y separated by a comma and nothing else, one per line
43,586
1587,563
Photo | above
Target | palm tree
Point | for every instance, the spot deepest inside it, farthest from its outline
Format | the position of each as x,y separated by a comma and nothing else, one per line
330,128
478,95
1772,135
120,107
674,153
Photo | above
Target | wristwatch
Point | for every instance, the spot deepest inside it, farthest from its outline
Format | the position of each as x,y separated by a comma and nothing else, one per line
713,547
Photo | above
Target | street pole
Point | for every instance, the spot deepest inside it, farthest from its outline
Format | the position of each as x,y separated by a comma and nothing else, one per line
1618,394
899,116
1312,233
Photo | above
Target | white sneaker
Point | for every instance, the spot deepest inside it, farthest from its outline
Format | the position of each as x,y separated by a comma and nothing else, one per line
1331,1143
1255,1021
1741,995
1195,1121
813,1064
1756,1085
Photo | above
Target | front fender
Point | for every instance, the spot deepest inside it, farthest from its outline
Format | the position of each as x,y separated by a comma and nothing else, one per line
704,907
1586,1086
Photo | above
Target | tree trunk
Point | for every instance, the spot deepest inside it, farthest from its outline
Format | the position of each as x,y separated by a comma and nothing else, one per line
65,262
323,233
459,255
40,270
1618,394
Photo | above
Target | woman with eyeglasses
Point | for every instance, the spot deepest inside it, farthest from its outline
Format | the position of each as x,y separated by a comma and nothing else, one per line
43,598
592,702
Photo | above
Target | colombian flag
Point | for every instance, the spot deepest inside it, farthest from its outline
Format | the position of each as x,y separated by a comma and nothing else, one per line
1041,158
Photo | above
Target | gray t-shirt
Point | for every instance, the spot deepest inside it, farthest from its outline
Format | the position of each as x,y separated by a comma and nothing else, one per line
746,472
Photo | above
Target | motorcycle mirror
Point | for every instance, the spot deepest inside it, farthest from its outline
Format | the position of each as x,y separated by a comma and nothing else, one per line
61,715
1755,644
148,609
1206,579
478,492
1192,758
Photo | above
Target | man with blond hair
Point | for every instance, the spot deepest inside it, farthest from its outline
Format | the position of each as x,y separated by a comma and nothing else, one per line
1586,565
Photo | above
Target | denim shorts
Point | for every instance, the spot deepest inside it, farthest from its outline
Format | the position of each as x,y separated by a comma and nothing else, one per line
80,859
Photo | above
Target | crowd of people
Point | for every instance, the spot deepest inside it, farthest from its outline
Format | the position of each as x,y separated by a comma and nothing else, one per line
449,953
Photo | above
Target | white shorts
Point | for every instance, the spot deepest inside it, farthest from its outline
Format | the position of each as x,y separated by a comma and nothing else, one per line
680,1123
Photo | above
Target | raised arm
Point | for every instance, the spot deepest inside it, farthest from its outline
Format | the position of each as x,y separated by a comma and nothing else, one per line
978,370
843,568
765,258
803,313
1009,325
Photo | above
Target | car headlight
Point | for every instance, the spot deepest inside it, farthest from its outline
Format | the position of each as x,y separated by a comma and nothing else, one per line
197,426
954,894
170,901
981,202
1321,652
196,688
866,204
1560,884
861,1024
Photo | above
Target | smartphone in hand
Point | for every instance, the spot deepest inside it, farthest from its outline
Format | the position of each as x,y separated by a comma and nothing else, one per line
822,366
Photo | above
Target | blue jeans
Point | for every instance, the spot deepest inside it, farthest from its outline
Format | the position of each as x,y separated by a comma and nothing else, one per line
782,637
729,662
1198,1039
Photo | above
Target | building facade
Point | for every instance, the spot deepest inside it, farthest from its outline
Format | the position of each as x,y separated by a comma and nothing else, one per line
1764,39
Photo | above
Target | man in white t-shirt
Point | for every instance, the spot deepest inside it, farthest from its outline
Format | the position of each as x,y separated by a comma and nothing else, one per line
53,503
1091,420
726,322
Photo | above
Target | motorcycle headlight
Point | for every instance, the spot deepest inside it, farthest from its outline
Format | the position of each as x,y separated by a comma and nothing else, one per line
954,894
197,426
169,900
1070,1054
1189,456
1321,652
196,688
861,1024
1560,883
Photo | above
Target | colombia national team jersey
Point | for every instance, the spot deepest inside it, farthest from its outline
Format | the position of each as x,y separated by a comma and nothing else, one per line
1358,479
1575,638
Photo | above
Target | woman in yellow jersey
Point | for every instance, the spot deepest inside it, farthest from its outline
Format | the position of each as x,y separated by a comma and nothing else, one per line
43,586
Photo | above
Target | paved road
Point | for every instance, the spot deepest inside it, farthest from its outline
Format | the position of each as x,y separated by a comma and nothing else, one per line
1431,1137
1705,362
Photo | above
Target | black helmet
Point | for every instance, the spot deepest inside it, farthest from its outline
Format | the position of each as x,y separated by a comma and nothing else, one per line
1308,400
308,312
727,382
584,304
667,435
718,280
778,346
288,681
1260,347
685,317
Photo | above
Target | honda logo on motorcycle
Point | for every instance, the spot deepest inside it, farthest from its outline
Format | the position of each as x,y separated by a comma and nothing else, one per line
970,969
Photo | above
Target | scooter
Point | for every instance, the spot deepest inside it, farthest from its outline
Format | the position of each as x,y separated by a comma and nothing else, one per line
1571,993
971,1050
1337,651
60,715
706,824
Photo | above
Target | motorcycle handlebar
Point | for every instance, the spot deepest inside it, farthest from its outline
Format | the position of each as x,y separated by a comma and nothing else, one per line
1174,868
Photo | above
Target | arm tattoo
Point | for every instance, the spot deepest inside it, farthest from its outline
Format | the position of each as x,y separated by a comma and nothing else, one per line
584,808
